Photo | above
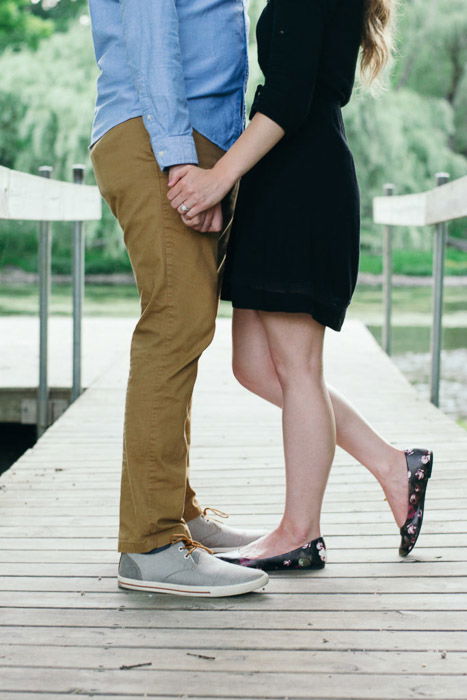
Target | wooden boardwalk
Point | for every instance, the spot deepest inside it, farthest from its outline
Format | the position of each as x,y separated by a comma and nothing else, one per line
368,626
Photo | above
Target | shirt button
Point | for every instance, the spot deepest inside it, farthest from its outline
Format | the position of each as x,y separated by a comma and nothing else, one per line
149,117
161,153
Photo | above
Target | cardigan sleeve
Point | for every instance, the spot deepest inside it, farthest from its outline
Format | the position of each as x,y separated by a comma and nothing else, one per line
292,66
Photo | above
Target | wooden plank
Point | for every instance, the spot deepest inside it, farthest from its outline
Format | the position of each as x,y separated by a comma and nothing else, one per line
265,601
339,511
368,625
234,639
363,620
75,514
443,203
15,695
310,662
301,582
237,684
30,197
385,533
346,554
411,568
389,542
97,529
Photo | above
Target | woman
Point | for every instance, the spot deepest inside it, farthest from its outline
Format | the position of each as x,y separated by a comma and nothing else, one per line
293,260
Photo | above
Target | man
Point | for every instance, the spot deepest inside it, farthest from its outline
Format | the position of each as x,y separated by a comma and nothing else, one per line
170,93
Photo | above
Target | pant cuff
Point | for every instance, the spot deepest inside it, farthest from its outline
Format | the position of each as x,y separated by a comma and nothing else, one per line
192,512
148,543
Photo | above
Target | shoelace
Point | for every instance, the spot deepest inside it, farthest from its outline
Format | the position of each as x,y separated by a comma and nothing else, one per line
190,545
216,511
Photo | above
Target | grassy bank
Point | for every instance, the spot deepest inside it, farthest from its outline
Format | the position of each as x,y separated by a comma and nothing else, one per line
411,304
18,249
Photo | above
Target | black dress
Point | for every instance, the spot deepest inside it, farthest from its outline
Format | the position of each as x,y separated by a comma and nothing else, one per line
294,245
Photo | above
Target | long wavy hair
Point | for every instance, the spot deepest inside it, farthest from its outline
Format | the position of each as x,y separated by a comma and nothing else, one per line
377,38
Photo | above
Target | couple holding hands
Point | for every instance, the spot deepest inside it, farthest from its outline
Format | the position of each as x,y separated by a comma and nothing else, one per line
267,217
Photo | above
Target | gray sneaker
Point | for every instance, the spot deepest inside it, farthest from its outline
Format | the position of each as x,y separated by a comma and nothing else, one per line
217,536
184,568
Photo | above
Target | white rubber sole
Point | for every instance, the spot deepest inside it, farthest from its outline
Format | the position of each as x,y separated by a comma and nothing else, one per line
198,591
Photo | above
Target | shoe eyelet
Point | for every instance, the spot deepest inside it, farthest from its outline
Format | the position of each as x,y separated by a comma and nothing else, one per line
180,549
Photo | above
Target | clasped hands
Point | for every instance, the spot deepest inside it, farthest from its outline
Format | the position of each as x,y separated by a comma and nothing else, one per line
196,194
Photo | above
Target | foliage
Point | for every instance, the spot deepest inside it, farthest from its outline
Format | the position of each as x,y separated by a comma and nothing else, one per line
23,23
432,57
60,12
19,27
413,129
405,138
46,115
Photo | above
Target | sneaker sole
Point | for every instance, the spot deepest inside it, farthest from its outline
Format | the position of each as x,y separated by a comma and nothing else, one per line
198,591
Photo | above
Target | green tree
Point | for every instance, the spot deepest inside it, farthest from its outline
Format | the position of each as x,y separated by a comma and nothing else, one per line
19,26
46,110
404,135
60,12
432,57
404,138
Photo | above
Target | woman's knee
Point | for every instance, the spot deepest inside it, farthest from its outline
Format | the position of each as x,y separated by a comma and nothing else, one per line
294,369
243,372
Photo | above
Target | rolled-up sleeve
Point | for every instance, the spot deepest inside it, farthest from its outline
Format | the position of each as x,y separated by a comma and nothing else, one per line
151,36
297,35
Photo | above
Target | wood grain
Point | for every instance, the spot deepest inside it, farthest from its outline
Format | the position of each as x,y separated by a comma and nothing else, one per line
370,626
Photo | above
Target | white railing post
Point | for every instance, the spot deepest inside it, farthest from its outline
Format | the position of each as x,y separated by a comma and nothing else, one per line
438,281
78,291
387,279
44,265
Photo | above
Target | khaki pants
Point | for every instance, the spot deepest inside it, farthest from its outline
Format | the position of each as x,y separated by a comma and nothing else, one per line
177,274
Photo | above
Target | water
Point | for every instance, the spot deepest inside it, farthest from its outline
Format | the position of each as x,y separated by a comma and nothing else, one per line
15,439
411,353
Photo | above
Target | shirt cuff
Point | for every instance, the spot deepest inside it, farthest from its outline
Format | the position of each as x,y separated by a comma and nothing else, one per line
289,110
174,150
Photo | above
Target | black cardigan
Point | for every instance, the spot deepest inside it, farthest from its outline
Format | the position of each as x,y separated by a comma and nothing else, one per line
306,49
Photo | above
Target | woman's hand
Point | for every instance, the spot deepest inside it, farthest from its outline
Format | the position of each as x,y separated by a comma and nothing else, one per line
193,190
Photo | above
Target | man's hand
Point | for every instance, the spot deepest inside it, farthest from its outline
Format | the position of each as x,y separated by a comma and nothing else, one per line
210,221
175,171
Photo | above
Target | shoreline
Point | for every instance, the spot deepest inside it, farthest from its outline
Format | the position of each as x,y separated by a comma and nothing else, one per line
17,276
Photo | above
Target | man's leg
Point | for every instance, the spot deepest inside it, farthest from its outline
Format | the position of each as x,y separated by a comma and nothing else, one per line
191,508
176,271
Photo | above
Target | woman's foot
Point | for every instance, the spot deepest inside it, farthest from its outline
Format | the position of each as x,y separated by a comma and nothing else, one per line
311,555
280,540
393,479
419,466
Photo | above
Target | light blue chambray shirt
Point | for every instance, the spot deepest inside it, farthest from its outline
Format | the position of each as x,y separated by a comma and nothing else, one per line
180,64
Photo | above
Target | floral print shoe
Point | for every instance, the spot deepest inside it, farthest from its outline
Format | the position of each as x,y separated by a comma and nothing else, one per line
310,556
419,466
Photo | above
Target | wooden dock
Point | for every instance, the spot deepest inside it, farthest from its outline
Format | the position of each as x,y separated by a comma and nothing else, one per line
369,626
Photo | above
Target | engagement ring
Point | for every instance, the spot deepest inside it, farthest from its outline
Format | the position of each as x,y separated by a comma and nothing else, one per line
183,209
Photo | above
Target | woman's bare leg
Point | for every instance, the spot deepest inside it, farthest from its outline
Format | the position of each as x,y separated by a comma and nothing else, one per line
254,369
296,347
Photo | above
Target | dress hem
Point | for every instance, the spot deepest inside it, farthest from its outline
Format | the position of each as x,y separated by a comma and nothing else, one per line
261,300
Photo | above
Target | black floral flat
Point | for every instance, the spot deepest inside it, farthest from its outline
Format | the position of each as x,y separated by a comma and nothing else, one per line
419,467
309,556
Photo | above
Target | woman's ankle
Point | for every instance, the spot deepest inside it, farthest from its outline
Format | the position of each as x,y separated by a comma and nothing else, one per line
389,466
298,533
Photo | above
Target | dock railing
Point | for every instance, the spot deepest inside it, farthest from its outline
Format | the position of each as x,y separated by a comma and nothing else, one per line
25,197
447,201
